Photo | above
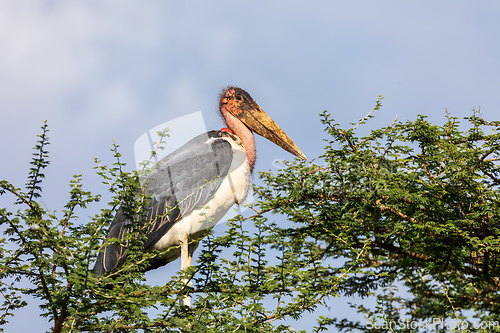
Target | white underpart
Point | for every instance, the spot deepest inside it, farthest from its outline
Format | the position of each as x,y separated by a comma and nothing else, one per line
233,189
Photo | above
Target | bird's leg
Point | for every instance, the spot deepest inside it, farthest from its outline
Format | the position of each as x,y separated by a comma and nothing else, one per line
186,259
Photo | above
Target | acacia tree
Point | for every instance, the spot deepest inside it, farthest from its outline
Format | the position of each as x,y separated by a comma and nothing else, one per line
53,254
421,203
411,205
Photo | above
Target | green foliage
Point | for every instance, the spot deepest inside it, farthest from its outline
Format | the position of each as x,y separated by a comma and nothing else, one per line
54,254
412,206
420,201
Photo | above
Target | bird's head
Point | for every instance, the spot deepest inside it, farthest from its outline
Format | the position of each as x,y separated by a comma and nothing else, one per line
241,105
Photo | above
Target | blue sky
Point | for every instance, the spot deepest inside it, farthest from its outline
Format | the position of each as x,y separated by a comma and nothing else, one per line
104,70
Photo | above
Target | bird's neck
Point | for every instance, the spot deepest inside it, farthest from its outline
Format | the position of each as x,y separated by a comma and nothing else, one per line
245,135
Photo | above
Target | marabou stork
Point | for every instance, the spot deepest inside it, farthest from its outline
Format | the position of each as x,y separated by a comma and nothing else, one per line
193,187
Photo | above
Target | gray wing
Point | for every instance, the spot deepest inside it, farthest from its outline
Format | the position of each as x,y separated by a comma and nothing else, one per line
184,180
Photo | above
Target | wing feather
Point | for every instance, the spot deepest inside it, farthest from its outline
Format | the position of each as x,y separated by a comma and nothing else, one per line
184,180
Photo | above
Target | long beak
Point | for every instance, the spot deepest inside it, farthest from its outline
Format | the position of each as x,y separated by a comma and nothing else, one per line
259,122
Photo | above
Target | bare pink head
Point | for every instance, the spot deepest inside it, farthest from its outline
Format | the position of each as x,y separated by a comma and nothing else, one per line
243,116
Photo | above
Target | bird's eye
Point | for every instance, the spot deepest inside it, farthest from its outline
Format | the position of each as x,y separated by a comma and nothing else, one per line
239,97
